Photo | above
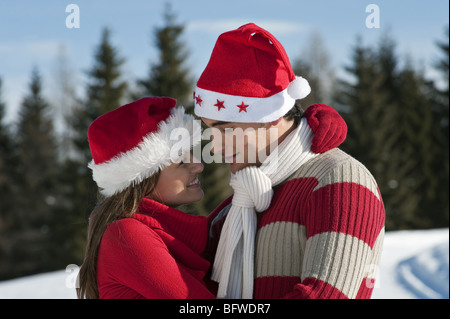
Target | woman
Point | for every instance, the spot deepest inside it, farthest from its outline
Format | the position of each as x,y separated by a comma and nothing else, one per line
139,245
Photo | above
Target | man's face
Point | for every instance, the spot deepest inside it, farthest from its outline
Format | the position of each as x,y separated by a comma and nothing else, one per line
241,144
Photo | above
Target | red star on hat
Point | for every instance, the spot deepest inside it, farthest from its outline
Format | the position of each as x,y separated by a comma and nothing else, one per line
219,105
198,100
242,107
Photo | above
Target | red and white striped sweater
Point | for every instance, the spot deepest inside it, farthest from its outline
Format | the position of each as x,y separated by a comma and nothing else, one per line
322,235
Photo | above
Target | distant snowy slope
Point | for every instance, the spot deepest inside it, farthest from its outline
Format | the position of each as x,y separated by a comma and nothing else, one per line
50,285
414,265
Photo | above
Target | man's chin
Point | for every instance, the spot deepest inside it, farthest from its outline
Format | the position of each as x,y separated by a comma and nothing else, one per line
234,167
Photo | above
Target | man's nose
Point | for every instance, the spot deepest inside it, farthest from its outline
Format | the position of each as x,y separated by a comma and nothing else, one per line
216,144
197,167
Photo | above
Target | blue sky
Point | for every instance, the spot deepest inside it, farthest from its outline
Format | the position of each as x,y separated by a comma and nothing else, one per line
33,32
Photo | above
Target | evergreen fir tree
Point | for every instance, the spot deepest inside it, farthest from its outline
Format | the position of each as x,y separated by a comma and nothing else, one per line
397,152
168,76
412,185
361,103
369,110
7,206
415,195
389,113
37,164
6,148
105,92
440,98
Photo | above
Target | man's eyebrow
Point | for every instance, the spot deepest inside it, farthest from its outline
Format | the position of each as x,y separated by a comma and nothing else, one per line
218,123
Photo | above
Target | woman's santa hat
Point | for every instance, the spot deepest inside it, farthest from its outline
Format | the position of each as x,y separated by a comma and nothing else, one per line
248,79
134,141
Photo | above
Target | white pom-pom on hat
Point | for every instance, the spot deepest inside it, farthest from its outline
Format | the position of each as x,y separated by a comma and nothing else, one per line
299,88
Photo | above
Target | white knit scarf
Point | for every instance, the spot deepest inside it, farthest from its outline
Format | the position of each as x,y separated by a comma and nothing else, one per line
234,262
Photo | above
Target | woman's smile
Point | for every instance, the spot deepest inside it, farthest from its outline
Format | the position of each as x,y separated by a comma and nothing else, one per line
195,183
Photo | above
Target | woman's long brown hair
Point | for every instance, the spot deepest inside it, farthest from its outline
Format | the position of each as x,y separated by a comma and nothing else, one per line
108,210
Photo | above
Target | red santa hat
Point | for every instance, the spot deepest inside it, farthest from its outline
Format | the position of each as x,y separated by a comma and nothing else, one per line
248,79
134,142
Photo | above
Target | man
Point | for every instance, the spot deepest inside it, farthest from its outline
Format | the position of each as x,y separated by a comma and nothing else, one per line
302,222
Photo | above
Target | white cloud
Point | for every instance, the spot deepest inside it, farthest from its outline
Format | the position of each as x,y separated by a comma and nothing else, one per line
37,50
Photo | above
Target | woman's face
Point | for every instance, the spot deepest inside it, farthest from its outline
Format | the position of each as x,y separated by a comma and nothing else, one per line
178,184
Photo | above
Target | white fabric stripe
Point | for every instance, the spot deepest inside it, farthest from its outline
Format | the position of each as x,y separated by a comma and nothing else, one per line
376,257
340,260
337,166
280,248
259,110
351,172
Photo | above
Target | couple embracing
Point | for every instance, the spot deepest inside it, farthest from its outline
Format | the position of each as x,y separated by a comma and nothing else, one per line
305,221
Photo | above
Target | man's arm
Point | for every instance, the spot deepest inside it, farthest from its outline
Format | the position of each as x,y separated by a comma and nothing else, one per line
345,230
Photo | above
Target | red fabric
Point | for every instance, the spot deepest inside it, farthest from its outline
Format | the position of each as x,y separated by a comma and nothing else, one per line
253,49
329,128
116,132
345,208
366,288
276,287
155,254
342,213
312,288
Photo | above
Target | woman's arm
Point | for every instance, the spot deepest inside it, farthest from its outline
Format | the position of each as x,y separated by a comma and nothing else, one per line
137,257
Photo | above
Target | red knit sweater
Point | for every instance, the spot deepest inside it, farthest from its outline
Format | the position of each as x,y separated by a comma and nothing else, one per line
322,235
155,254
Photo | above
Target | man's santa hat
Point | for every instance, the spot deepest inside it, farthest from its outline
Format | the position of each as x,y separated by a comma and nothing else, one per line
248,79
134,142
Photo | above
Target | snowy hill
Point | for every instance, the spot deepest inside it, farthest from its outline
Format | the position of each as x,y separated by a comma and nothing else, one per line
414,265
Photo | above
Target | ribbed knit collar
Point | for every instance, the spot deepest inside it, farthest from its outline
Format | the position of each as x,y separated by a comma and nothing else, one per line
189,229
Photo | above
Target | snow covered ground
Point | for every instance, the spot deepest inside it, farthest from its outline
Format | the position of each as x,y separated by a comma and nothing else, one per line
414,265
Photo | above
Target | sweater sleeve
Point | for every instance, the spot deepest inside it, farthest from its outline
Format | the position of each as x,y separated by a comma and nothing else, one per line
345,230
136,258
